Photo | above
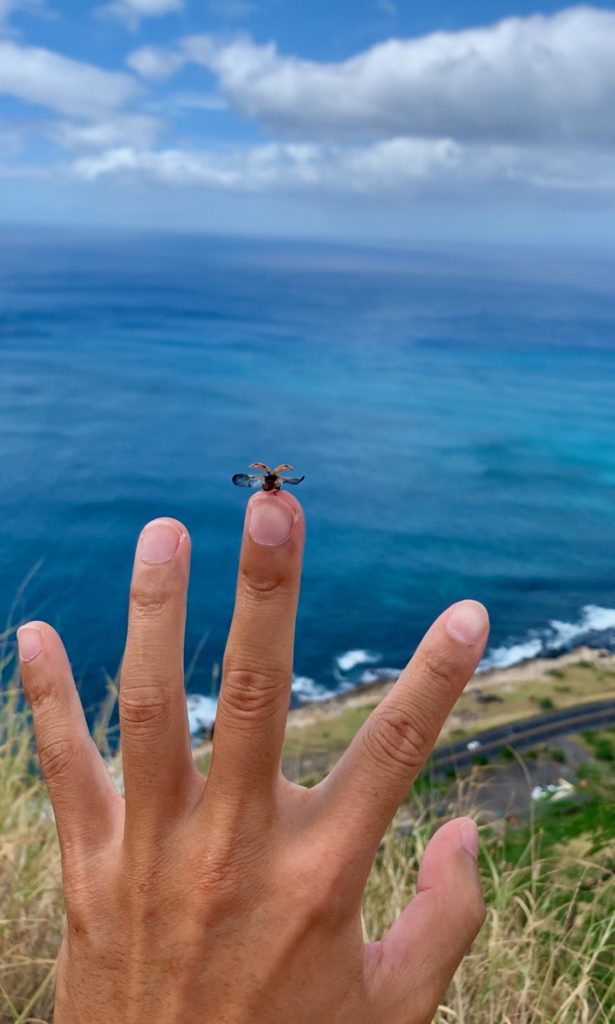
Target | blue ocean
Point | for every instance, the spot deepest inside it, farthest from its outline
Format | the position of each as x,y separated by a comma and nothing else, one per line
453,413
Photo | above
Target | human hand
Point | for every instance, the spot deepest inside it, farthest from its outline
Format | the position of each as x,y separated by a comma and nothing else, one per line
237,898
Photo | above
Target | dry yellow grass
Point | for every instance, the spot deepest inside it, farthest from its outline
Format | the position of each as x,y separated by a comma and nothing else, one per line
30,895
545,955
547,949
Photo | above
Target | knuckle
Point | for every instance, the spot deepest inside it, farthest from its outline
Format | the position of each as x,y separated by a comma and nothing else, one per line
249,693
84,899
219,877
397,739
41,692
321,890
57,758
81,895
140,705
259,586
145,888
440,671
148,598
78,922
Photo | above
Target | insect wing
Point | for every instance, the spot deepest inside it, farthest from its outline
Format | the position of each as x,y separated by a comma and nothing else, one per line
294,480
248,479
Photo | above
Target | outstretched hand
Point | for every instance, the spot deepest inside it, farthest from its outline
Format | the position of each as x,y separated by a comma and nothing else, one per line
237,898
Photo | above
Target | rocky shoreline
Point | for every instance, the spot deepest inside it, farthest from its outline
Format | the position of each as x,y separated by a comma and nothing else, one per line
506,680
534,669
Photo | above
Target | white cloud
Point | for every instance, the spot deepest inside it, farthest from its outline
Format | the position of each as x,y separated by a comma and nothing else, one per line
520,108
180,102
69,87
155,62
288,166
131,12
139,130
399,167
544,79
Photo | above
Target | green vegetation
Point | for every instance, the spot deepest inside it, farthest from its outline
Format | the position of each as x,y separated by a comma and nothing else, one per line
544,703
314,745
546,950
601,744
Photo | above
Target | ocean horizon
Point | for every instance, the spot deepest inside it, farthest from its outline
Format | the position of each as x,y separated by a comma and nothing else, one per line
452,412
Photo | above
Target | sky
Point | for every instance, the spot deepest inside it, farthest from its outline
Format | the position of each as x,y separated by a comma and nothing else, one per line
377,120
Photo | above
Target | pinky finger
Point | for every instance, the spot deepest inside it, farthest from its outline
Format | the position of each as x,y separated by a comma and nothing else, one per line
85,802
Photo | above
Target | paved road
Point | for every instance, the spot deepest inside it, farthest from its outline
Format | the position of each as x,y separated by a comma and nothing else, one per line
525,734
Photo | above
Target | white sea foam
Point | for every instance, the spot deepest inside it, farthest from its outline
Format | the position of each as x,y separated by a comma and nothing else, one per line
306,689
556,638
563,634
351,659
376,675
201,712
504,657
594,619
599,618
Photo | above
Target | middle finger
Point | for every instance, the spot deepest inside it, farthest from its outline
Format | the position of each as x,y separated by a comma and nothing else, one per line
258,660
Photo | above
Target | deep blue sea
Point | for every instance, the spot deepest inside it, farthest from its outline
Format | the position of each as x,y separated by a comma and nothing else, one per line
453,413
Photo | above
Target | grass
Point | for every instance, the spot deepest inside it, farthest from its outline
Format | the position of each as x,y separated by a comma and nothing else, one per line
310,750
601,744
544,956
546,950
30,897
578,683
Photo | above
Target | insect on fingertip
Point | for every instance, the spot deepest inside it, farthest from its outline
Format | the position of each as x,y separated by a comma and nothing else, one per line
266,479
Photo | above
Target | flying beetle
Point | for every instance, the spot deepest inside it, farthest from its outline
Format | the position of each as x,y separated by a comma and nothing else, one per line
267,479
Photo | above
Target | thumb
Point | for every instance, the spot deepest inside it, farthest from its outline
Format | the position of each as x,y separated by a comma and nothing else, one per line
416,959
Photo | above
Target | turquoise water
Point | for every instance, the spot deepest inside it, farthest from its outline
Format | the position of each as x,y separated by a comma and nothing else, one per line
454,417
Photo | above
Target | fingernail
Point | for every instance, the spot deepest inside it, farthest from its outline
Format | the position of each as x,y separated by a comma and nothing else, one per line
270,520
30,642
159,542
469,838
467,622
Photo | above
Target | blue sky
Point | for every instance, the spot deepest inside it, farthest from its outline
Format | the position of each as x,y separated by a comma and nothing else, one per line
371,119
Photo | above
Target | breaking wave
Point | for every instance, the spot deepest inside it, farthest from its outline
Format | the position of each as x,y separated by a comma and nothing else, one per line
202,710
201,713
307,689
595,627
358,667
352,659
